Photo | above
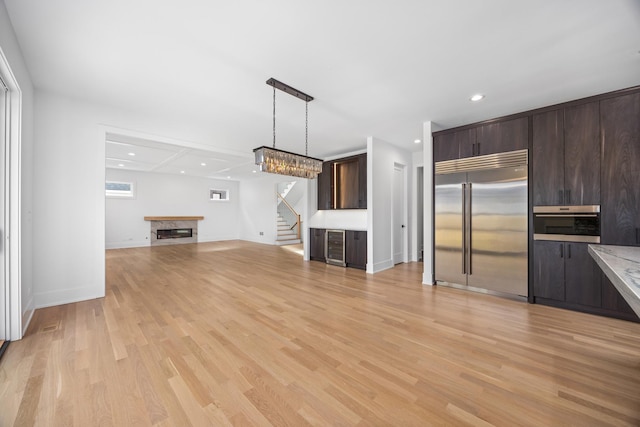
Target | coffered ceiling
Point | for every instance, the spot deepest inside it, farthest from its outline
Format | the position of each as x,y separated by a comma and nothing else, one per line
375,67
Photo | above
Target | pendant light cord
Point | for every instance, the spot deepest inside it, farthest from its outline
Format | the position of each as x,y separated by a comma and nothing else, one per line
306,128
274,117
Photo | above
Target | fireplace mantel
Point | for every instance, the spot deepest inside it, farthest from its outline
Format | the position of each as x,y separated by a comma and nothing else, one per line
173,218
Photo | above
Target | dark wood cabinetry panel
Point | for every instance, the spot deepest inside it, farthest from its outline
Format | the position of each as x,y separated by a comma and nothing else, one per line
325,192
582,154
343,183
316,244
453,145
362,181
502,136
583,284
620,123
548,270
612,300
548,159
356,249
346,183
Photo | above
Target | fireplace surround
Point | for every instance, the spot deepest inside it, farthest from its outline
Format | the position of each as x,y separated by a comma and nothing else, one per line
172,230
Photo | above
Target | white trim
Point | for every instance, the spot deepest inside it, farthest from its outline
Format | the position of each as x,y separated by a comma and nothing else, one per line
67,296
13,185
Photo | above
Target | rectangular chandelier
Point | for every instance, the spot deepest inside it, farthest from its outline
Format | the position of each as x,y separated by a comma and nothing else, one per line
282,162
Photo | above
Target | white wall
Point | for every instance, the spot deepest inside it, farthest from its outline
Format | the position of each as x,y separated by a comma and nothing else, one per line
382,156
13,54
417,160
258,207
159,194
69,175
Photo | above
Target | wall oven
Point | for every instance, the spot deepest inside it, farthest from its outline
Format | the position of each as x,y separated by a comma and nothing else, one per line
567,223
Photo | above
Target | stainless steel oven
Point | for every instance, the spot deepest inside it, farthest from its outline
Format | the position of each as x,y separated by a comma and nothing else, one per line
567,223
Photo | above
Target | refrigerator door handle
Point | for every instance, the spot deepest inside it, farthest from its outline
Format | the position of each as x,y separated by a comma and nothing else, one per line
470,231
464,228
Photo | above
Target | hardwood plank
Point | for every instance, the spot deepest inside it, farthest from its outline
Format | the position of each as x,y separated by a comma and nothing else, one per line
237,333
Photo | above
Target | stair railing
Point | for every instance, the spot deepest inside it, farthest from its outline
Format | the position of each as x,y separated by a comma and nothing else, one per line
289,214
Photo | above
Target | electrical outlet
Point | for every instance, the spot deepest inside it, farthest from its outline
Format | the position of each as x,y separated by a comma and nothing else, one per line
262,233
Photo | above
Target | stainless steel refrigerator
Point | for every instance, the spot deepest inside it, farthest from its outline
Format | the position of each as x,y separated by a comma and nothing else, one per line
481,223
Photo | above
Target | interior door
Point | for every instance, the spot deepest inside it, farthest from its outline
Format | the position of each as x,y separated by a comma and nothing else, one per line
399,227
3,172
449,228
498,257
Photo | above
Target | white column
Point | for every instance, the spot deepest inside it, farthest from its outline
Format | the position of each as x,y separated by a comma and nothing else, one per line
427,275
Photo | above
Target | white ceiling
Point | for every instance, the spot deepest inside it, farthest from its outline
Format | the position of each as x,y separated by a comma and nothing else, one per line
376,68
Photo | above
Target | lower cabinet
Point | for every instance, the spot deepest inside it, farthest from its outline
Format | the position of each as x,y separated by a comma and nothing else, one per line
564,271
565,275
355,247
316,244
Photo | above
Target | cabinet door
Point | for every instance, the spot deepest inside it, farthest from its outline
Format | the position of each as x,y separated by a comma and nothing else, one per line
583,284
548,159
316,244
356,249
582,154
620,207
325,191
346,184
446,147
498,137
362,181
548,273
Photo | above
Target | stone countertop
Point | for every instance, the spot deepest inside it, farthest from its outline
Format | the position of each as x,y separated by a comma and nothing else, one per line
621,264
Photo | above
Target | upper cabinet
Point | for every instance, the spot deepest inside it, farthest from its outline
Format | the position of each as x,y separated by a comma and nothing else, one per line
566,156
620,217
343,183
502,136
498,137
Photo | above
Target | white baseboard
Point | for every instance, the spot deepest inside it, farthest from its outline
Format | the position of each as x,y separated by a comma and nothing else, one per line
379,266
427,279
67,296
127,244
27,314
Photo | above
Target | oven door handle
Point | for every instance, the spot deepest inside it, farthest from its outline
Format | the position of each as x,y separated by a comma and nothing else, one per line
565,215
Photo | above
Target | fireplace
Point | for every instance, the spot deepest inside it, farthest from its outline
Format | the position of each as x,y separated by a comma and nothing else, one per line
173,230
175,233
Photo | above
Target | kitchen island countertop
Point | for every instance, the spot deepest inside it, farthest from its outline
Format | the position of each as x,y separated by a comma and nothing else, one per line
621,264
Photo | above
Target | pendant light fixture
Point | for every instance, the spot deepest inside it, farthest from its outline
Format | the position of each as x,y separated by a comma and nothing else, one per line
282,162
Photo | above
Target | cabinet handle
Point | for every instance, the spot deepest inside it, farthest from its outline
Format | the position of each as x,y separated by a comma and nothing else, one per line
561,250
473,149
478,148
561,197
567,196
637,236
568,251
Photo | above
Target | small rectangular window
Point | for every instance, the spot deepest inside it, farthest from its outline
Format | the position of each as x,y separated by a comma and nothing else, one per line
121,190
217,195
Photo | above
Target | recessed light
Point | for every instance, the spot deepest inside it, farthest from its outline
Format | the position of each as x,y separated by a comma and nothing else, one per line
229,177
132,154
417,141
203,164
254,171
121,165
477,97
181,171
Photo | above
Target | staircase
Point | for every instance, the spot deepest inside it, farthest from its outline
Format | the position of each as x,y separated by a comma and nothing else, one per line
286,236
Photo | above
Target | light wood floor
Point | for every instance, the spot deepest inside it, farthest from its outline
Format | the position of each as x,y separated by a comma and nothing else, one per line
235,333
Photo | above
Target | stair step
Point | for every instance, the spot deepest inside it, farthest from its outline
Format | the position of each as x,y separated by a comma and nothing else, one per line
288,242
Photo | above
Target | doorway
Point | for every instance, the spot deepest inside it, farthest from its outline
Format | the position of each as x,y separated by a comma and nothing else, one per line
399,229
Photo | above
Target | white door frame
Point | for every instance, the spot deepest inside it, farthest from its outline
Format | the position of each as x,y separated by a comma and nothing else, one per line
12,235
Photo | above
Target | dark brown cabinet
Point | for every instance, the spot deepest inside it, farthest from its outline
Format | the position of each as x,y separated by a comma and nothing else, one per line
548,277
566,272
613,301
454,145
356,249
316,244
508,135
498,137
343,183
620,217
566,156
